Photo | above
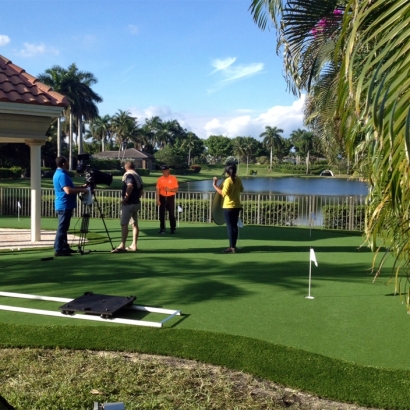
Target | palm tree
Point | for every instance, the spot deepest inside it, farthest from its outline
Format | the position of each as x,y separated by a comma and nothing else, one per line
76,86
189,142
152,129
271,139
238,148
170,131
100,128
125,128
244,147
367,44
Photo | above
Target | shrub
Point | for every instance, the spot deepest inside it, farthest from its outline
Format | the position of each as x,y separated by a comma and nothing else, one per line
262,160
105,163
344,217
196,168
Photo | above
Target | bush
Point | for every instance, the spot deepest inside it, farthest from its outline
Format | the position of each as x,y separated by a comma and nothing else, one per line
196,168
10,173
262,160
344,217
277,213
47,172
105,163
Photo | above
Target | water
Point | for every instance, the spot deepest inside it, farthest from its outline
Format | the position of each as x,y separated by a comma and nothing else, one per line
288,186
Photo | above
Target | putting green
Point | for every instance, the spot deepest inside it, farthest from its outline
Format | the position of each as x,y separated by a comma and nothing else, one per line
258,292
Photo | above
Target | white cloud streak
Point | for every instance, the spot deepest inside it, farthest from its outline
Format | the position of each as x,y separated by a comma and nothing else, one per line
232,72
34,50
132,29
222,64
4,40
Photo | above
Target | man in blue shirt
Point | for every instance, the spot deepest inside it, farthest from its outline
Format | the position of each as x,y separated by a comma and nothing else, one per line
65,203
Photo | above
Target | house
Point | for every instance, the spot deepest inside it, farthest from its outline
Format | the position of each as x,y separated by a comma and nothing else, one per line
27,108
140,159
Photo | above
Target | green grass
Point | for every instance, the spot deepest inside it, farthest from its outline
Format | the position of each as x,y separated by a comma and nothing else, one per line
245,311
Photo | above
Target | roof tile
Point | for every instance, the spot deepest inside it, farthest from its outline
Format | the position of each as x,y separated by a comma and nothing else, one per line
17,86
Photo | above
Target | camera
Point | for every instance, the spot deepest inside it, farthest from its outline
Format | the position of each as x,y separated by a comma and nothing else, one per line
92,176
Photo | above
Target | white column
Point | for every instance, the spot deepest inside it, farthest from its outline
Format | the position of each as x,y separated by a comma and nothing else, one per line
58,136
35,176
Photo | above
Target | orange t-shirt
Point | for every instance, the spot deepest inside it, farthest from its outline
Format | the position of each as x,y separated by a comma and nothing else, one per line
169,182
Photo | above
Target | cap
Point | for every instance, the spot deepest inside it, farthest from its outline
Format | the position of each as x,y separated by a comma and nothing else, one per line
164,167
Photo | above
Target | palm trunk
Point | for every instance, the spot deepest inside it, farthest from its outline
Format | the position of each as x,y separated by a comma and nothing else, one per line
80,134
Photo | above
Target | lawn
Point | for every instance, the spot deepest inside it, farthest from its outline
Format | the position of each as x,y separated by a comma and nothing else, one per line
246,311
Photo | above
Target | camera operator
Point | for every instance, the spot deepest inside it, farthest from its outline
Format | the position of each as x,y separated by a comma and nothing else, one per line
132,190
65,203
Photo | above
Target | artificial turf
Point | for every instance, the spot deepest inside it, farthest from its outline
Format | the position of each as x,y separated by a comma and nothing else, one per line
247,311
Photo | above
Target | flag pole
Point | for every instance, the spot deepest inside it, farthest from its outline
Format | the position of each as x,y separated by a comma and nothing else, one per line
310,280
312,257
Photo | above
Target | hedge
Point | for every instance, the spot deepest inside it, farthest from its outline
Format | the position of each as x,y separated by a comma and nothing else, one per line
344,217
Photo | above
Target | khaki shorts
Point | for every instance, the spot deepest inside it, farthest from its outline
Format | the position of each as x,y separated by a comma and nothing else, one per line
129,214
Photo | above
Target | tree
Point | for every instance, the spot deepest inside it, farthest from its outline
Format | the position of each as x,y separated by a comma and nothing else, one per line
238,149
125,128
76,86
190,142
171,156
249,146
218,146
271,139
302,140
100,129
358,50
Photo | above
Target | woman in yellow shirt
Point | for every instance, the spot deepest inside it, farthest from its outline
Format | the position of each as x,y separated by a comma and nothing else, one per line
230,190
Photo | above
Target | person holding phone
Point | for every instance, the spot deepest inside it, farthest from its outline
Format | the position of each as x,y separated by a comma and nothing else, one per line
231,192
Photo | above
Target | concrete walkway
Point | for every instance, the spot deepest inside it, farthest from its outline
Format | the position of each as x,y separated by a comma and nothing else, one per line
16,239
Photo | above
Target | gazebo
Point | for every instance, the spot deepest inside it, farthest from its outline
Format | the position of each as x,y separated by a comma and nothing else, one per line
27,108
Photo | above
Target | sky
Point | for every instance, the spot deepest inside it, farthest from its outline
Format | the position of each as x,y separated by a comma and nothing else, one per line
204,63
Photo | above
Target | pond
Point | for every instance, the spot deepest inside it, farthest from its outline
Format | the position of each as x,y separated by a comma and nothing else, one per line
288,186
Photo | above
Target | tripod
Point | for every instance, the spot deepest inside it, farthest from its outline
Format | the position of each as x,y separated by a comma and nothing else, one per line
85,220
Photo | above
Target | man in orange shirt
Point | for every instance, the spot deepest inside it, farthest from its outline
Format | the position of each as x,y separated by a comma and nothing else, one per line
167,187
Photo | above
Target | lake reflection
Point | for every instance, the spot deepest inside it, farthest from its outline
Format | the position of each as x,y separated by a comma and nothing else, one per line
288,185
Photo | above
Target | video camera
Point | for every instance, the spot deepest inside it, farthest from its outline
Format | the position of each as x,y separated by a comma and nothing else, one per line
92,176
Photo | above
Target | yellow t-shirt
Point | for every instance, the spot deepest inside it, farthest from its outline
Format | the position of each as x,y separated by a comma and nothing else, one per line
231,192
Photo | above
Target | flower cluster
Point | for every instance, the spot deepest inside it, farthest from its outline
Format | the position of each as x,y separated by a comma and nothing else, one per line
325,22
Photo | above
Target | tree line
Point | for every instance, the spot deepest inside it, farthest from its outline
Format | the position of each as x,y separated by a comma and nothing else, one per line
83,130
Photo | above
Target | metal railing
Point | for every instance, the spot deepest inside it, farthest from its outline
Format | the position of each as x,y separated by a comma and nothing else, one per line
315,211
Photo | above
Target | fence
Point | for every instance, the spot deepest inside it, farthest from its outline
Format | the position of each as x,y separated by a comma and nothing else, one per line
330,212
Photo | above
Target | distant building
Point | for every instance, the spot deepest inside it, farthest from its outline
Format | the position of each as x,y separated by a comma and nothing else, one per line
141,159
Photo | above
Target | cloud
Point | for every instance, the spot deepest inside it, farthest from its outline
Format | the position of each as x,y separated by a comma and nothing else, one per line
222,64
33,50
288,118
231,72
132,29
4,40
162,111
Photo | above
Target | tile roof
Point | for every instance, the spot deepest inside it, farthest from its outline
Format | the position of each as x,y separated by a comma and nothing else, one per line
17,86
